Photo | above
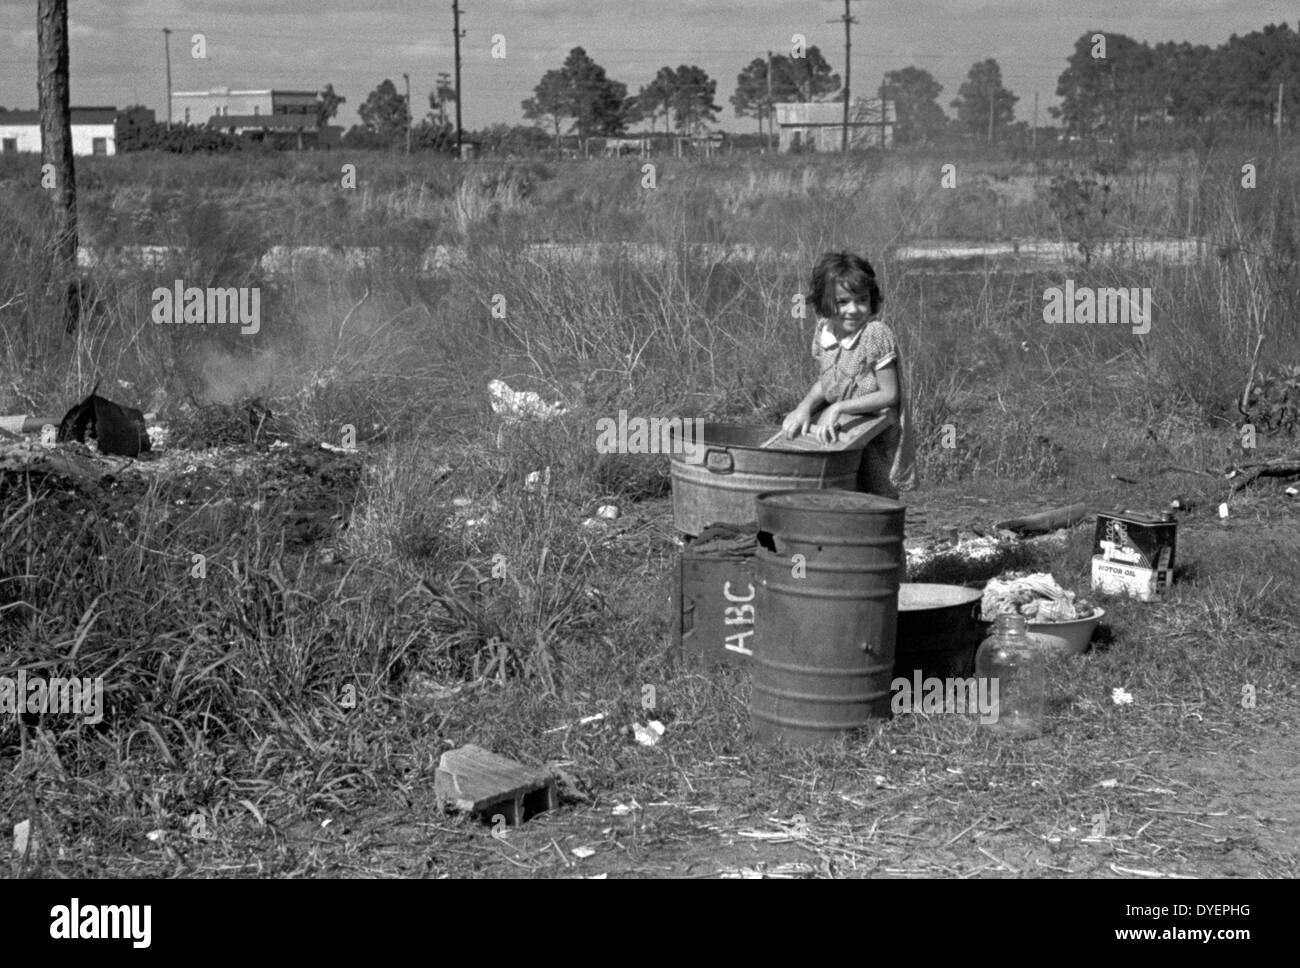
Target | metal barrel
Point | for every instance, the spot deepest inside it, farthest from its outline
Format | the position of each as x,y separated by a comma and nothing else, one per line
938,631
716,478
828,592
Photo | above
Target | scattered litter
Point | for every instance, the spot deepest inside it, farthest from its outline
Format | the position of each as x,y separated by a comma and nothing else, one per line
650,734
1144,873
535,478
582,852
1108,783
623,809
581,722
954,547
597,877
1037,597
1120,697
515,403
569,786
609,512
476,780
423,687
156,835
1292,492
22,837
1223,509
116,429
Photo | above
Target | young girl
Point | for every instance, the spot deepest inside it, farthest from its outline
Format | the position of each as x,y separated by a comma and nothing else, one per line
860,372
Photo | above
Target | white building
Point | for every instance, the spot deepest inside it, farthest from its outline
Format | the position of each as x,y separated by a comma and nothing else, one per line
93,131
819,125
283,118
198,107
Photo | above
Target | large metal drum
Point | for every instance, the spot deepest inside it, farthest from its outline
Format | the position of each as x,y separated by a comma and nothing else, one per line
731,469
829,569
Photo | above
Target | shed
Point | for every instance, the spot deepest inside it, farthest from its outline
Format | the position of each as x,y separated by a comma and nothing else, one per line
819,125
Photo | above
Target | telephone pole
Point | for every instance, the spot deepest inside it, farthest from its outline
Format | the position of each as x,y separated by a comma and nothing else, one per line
410,117
848,70
770,113
167,52
457,35
1280,86
1033,135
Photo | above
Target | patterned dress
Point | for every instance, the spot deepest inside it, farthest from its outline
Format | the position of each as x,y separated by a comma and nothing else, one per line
848,370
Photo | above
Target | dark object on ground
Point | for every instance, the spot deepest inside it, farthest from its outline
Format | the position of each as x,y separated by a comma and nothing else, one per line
1044,521
475,780
1279,467
117,429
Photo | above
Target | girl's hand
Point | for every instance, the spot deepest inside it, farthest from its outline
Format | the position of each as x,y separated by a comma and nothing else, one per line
828,423
797,421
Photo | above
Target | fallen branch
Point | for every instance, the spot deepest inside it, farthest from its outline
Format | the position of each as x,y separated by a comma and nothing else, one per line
1278,467
1044,521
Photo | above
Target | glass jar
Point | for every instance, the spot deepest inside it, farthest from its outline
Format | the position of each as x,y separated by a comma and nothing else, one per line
1015,666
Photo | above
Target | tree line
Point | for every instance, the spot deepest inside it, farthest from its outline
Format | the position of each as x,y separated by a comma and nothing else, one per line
1111,86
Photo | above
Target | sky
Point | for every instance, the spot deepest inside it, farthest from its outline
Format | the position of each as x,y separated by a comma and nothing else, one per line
117,46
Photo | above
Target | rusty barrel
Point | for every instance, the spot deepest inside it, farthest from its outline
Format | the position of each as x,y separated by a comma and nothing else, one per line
829,565
717,476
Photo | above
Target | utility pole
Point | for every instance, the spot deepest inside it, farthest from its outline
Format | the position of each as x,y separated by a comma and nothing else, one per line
770,113
848,70
1279,112
410,116
167,52
1033,134
456,33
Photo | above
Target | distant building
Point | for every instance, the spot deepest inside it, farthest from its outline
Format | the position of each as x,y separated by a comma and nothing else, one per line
703,143
286,119
819,125
93,131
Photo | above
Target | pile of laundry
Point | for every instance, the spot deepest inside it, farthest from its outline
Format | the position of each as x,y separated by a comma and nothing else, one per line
1037,597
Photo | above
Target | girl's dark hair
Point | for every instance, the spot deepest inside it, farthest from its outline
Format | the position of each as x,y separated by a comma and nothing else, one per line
852,270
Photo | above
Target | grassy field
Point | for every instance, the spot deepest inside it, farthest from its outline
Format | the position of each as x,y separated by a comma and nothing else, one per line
359,614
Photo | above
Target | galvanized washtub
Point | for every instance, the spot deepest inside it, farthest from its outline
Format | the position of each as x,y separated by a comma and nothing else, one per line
938,630
716,478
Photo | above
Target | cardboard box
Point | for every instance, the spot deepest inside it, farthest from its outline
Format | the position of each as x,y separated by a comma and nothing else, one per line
714,602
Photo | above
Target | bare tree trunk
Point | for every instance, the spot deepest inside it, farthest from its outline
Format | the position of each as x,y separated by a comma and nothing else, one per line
56,136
